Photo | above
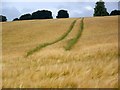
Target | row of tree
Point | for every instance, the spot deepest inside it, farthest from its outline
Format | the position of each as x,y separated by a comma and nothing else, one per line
99,10
43,14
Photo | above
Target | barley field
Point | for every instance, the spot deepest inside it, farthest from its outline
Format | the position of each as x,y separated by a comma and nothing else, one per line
92,61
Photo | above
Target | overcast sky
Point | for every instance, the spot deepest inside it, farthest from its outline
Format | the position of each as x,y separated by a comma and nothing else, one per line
76,8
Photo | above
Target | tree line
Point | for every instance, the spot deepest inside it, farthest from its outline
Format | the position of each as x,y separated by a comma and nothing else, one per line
40,14
99,10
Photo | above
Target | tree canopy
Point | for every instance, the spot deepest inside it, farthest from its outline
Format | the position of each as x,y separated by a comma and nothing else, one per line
3,18
115,12
25,17
100,9
62,14
16,19
43,14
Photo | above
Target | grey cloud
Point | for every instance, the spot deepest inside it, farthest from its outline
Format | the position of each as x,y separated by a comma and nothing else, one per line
26,10
10,12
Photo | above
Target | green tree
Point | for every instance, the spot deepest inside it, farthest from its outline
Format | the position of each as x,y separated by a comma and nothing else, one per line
115,12
3,18
100,9
62,14
42,14
16,19
25,17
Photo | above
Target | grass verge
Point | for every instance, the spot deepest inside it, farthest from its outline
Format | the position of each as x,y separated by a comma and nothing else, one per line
75,39
53,42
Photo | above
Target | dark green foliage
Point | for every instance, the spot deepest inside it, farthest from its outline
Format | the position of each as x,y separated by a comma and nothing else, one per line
62,14
16,19
100,9
3,18
115,12
74,40
43,14
50,43
25,17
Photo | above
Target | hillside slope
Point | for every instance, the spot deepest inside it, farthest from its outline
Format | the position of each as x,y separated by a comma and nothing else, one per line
91,63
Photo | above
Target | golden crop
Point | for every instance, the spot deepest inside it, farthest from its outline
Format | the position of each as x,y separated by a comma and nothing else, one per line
91,63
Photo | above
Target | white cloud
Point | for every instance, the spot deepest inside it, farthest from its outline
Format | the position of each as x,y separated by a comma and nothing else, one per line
78,11
89,8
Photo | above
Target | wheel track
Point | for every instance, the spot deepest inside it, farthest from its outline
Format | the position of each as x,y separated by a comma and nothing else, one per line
74,40
39,47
